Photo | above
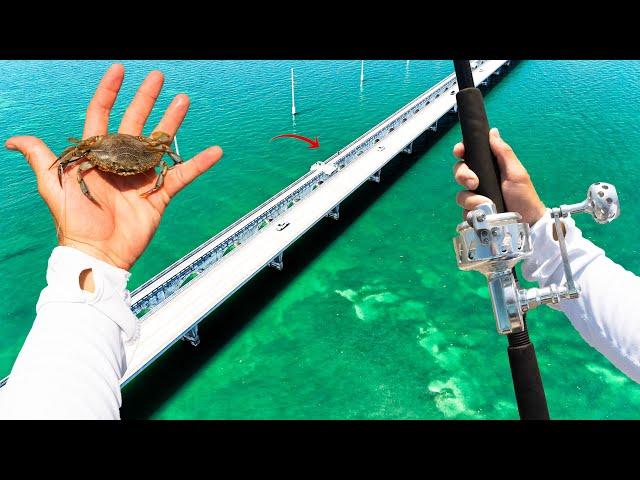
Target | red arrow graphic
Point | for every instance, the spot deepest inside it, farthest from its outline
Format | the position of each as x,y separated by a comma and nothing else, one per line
313,143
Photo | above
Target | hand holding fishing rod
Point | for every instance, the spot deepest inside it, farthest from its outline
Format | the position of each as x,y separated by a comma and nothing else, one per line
493,241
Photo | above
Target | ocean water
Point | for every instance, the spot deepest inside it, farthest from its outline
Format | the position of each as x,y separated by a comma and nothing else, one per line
370,318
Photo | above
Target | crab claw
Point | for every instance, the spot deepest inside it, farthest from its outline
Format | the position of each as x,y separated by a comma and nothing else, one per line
161,137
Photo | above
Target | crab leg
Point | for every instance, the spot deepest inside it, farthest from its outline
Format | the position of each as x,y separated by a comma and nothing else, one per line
159,181
65,154
84,166
173,155
64,163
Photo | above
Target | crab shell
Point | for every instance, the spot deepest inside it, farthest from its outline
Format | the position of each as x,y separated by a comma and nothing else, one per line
124,154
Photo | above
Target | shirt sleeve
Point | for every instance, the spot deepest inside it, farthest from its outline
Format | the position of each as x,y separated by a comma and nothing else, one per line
72,361
606,314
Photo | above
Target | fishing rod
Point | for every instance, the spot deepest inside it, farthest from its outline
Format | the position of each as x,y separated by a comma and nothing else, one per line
493,240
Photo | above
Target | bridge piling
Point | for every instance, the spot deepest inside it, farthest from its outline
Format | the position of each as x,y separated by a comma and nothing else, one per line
334,213
277,262
192,336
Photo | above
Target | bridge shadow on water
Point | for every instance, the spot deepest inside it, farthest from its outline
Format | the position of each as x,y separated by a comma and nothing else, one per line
154,386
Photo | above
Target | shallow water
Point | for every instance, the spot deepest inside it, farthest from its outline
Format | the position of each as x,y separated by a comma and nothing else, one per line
371,318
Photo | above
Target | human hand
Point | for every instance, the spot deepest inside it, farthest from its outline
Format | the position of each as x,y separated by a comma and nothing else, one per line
517,189
120,224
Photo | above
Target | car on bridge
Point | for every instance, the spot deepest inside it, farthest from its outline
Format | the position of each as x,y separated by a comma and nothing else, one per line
282,226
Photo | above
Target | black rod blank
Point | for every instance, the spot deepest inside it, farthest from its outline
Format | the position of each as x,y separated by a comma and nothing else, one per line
464,75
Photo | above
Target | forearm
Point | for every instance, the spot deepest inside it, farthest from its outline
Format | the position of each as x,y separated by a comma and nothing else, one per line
606,313
74,356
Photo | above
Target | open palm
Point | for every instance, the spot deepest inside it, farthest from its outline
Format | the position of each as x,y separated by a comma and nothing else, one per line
120,225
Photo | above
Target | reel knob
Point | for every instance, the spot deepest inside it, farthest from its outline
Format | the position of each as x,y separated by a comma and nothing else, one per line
603,202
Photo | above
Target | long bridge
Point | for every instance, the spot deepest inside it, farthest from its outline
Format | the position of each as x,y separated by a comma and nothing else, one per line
171,305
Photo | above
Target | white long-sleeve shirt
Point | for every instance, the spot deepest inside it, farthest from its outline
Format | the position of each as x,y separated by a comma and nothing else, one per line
72,361
606,314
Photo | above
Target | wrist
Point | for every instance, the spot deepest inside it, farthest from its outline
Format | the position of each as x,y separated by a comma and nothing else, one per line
70,268
94,251
537,213
110,295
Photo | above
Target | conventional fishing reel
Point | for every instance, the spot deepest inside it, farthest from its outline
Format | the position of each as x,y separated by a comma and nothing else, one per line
493,243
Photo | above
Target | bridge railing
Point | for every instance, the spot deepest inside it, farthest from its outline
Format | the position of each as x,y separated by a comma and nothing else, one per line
228,239
153,299
400,116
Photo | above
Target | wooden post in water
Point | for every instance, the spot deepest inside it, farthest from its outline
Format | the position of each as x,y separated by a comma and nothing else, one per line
293,95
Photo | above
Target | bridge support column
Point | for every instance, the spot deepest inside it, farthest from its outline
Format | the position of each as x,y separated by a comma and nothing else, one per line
434,127
408,149
192,336
455,107
277,262
334,213
375,177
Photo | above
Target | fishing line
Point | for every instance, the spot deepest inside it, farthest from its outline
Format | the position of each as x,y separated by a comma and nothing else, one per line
61,227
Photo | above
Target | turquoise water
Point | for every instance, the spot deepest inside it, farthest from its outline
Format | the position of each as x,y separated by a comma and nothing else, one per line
370,318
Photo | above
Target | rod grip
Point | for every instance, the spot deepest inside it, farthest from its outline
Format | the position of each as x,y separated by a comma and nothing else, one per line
477,152
527,383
